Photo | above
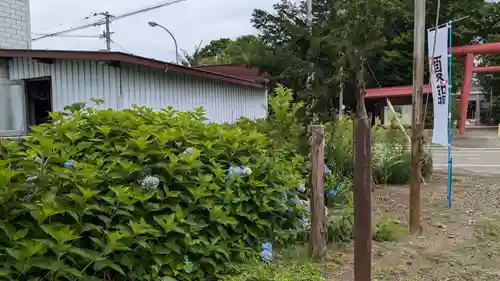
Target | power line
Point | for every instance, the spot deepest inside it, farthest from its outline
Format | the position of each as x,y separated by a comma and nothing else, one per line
71,22
72,36
153,7
108,18
97,23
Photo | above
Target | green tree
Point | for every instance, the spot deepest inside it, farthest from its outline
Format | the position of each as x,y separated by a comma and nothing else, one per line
289,51
243,50
490,82
293,53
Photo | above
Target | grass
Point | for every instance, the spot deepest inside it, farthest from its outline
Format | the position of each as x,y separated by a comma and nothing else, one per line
290,264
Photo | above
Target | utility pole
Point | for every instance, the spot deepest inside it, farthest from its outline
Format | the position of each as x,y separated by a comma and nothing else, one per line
417,114
107,32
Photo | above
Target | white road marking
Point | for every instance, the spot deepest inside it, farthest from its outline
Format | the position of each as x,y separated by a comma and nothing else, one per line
458,154
496,149
467,165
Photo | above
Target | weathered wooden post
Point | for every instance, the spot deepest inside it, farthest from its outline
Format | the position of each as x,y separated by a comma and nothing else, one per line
318,218
362,183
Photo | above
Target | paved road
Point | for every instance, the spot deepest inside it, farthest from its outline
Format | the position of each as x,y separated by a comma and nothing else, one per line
478,160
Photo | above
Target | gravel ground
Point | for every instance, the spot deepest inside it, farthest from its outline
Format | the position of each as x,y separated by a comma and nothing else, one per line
458,244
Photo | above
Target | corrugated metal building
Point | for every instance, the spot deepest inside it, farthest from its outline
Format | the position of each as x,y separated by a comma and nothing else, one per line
59,78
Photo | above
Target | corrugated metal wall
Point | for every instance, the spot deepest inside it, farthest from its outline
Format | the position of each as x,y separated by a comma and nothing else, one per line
78,81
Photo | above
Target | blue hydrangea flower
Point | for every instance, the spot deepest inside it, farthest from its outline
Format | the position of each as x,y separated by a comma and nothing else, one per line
69,164
332,192
326,170
267,247
235,171
301,189
266,256
289,212
150,182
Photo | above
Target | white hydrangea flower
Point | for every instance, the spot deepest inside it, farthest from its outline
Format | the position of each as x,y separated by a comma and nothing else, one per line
150,182
305,205
305,223
247,171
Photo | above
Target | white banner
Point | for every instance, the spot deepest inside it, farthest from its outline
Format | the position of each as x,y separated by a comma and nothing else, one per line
438,66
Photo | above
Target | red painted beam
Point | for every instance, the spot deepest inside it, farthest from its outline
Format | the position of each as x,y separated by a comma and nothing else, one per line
464,96
396,91
477,49
486,69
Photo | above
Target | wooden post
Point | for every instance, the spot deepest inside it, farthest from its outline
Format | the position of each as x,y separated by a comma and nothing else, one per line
318,219
417,114
362,189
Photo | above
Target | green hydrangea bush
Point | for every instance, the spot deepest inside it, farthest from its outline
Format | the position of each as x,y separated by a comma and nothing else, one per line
141,195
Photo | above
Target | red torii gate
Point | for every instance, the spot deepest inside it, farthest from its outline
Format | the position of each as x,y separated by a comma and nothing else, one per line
469,51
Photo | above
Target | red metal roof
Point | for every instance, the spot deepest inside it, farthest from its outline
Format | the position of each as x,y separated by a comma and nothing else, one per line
125,58
397,91
237,70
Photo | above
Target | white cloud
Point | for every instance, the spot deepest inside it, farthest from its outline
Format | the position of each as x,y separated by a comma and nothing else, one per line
191,21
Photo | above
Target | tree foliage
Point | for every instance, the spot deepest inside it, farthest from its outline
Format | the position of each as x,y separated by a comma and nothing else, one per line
243,50
490,82
290,50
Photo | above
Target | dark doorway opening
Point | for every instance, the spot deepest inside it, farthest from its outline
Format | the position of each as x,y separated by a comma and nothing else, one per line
39,100
471,110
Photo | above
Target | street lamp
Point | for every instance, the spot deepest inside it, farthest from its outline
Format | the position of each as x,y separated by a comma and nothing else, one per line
154,24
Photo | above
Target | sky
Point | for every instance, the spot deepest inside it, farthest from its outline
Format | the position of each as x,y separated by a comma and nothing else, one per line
191,22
